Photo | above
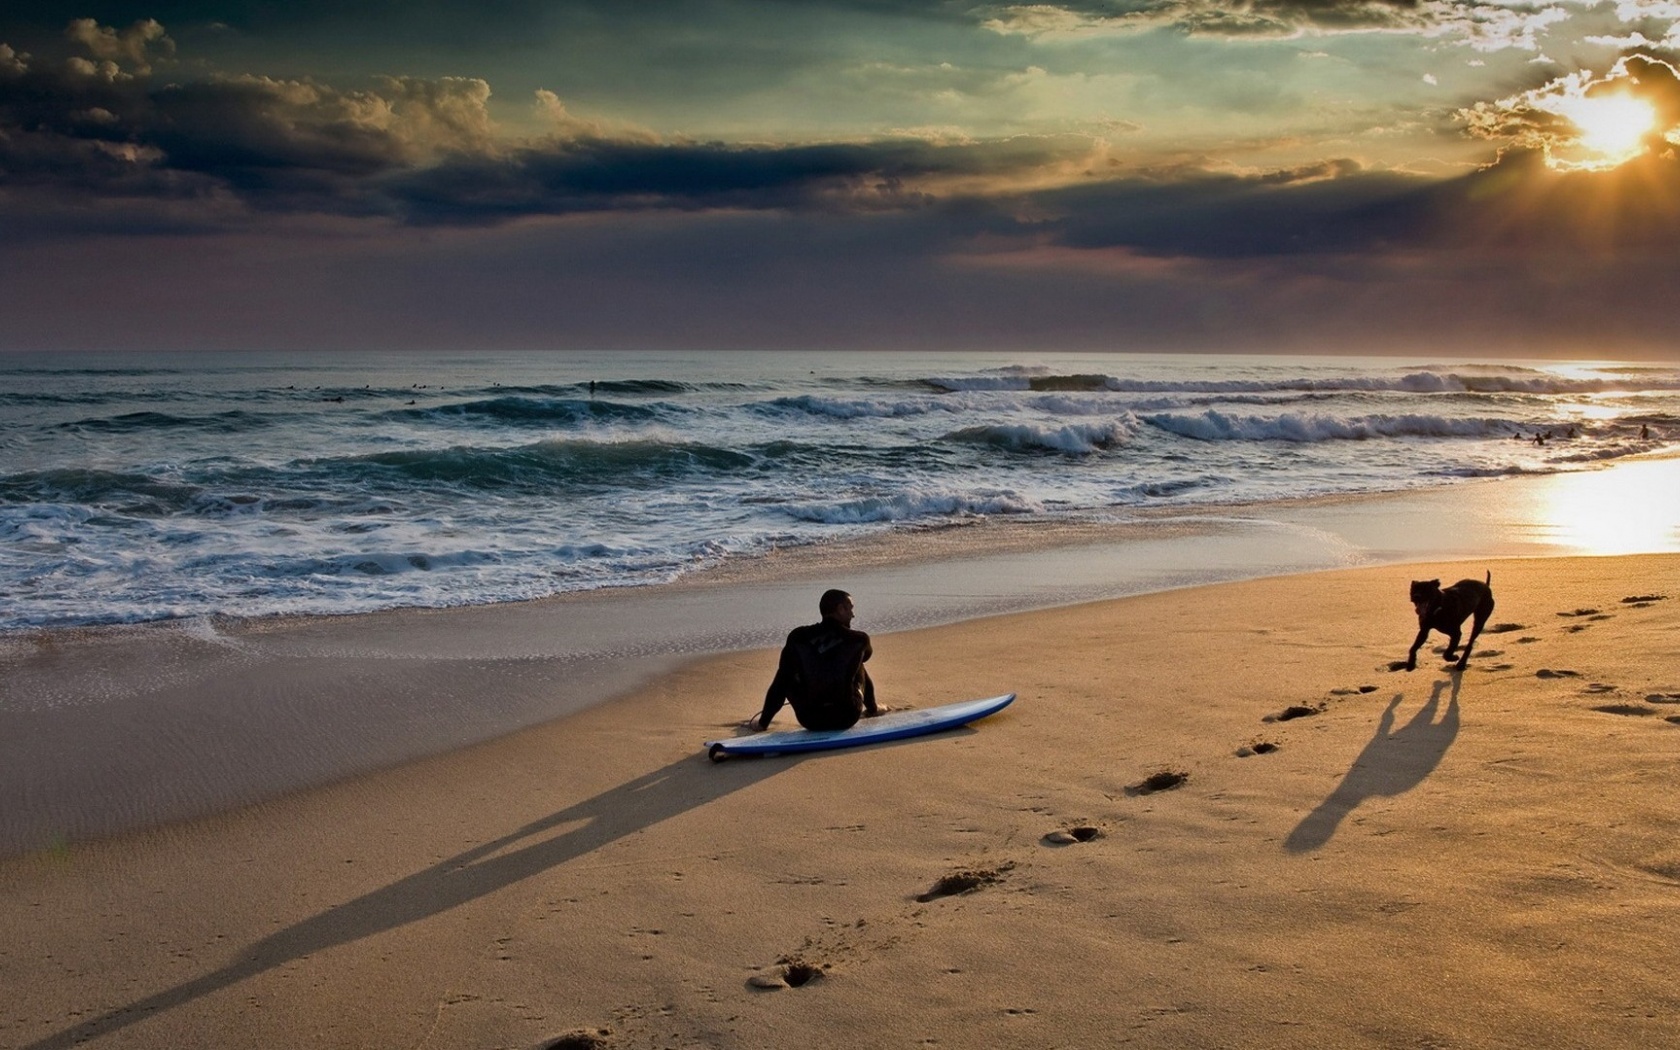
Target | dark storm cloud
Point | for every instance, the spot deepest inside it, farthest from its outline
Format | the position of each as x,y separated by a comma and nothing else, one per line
412,148
110,131
1337,216
598,175
1332,208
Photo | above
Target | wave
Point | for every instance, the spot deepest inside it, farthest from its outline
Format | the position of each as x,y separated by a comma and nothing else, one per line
231,422
1504,470
1168,488
1074,438
1599,453
1023,379
1421,382
535,411
544,465
97,488
856,408
641,386
909,506
1213,425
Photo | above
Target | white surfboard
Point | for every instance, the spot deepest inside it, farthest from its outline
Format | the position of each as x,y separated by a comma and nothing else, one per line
894,725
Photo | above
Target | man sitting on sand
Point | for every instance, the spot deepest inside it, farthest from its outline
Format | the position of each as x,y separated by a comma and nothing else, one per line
821,672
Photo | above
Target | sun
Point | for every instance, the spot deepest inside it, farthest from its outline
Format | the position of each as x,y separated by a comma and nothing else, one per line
1613,127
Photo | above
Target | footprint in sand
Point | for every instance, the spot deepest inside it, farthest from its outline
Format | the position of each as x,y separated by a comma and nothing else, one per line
1580,612
964,882
1547,672
582,1039
1662,698
1069,836
1639,601
1599,687
1527,639
1263,747
1626,709
792,972
1353,692
1296,711
1490,668
1165,780
1504,628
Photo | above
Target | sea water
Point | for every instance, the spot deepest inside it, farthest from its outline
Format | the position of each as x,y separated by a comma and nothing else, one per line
138,487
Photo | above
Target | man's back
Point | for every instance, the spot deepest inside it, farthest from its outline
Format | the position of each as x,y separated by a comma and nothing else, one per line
821,672
829,660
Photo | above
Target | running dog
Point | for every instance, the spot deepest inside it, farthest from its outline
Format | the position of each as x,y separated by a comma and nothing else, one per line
1446,611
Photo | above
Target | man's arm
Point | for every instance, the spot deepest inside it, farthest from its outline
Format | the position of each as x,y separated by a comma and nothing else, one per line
776,695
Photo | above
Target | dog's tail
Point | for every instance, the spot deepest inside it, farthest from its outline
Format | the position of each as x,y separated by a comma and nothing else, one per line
1490,578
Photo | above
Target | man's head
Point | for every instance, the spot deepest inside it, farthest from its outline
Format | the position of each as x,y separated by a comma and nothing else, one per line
836,605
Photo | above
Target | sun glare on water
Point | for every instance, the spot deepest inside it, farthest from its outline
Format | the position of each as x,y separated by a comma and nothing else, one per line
1633,509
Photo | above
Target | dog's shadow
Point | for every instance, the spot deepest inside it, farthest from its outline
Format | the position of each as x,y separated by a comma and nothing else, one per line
1392,763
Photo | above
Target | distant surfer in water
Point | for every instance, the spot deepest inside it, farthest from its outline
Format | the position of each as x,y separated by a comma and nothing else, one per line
821,672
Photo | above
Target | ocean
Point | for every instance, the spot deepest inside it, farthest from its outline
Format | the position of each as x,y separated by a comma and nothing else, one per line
144,487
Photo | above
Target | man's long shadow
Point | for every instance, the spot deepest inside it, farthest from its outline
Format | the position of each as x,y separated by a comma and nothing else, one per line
685,784
1394,762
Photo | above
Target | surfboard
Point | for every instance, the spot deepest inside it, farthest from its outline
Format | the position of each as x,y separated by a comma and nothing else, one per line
894,725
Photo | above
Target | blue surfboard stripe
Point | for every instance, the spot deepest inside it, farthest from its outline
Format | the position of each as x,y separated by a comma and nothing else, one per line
895,725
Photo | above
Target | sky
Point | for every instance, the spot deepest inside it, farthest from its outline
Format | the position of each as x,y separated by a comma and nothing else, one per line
1419,177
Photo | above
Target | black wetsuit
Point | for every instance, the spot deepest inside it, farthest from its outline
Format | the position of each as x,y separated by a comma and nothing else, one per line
821,674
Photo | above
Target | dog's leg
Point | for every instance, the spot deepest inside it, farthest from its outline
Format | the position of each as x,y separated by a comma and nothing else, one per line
1476,625
1417,643
1452,644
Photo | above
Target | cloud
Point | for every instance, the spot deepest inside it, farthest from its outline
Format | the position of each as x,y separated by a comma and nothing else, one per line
220,151
1489,27
132,47
1485,25
1257,18
588,175
1348,224
12,64
1587,120
420,150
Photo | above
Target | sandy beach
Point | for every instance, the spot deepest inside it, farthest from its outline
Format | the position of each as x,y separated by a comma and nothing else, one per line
1484,859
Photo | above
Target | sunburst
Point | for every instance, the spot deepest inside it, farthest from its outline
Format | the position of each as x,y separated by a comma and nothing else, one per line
1613,127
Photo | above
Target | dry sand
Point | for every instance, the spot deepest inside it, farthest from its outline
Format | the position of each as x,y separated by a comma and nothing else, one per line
1485,859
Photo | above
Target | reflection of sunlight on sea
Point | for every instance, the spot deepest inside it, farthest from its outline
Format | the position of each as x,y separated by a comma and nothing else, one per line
1623,511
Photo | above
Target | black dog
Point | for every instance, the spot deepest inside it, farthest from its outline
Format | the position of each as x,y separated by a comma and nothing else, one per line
1445,611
